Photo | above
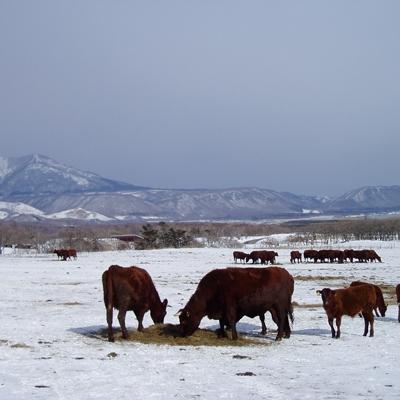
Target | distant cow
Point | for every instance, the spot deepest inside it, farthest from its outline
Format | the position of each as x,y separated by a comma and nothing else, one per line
309,254
372,255
264,256
64,254
349,301
232,293
239,255
380,301
398,300
131,289
295,255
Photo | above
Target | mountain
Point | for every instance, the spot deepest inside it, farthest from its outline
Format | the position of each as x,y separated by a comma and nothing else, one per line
47,189
366,199
36,174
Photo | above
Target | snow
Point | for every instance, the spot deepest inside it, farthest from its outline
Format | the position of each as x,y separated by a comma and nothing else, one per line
79,213
49,309
18,208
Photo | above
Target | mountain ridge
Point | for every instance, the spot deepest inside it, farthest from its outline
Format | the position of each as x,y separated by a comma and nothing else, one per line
56,189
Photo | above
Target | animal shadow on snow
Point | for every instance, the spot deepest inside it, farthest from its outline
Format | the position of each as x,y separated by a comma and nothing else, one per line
249,330
98,332
312,332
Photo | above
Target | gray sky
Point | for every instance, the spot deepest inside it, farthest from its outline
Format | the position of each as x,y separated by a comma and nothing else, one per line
299,96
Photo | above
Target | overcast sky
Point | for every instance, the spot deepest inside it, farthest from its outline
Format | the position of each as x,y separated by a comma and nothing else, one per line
299,96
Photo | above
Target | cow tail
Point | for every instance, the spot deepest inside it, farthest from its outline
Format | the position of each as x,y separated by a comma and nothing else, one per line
108,291
290,313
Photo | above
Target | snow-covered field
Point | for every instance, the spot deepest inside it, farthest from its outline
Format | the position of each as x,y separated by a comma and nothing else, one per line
49,309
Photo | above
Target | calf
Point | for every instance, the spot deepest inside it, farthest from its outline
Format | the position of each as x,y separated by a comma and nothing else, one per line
349,301
131,289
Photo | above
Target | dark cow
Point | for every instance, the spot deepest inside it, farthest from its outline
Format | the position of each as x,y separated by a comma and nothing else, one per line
264,256
349,301
398,300
131,289
232,293
239,255
309,254
322,255
65,254
372,255
295,255
380,301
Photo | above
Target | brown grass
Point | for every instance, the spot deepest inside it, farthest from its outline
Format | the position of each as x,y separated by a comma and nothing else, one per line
167,334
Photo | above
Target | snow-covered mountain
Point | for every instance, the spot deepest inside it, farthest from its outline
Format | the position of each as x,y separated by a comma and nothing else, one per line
36,174
367,199
56,191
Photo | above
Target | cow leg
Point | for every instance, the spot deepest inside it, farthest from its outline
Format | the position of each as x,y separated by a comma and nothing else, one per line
330,322
338,323
398,315
121,319
221,331
281,323
140,315
263,326
368,321
109,323
376,312
231,317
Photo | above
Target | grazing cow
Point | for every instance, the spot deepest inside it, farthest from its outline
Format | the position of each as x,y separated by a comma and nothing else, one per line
263,255
295,255
65,253
131,289
380,302
348,255
372,255
309,254
398,300
232,293
239,255
322,255
349,301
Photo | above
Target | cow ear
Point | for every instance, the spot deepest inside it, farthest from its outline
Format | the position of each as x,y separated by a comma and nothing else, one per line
319,292
165,302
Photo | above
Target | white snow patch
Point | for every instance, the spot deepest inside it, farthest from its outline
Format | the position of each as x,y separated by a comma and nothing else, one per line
50,349
79,213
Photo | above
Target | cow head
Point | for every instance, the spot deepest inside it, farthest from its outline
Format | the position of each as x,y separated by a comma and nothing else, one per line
382,309
159,312
325,294
187,323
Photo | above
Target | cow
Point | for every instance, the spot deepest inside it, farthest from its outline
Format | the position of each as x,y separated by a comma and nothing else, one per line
264,256
239,255
232,293
349,301
398,300
295,255
64,254
380,302
131,289
322,255
372,255
309,254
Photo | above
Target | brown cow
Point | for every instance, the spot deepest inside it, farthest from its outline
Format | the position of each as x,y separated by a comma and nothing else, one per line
65,253
398,300
232,293
349,301
309,254
380,301
264,256
295,255
127,289
239,255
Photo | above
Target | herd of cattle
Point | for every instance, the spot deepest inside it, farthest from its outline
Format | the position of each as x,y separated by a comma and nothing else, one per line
340,256
229,294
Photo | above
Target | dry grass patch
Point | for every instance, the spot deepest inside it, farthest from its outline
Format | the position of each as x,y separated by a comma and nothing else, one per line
317,278
168,334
